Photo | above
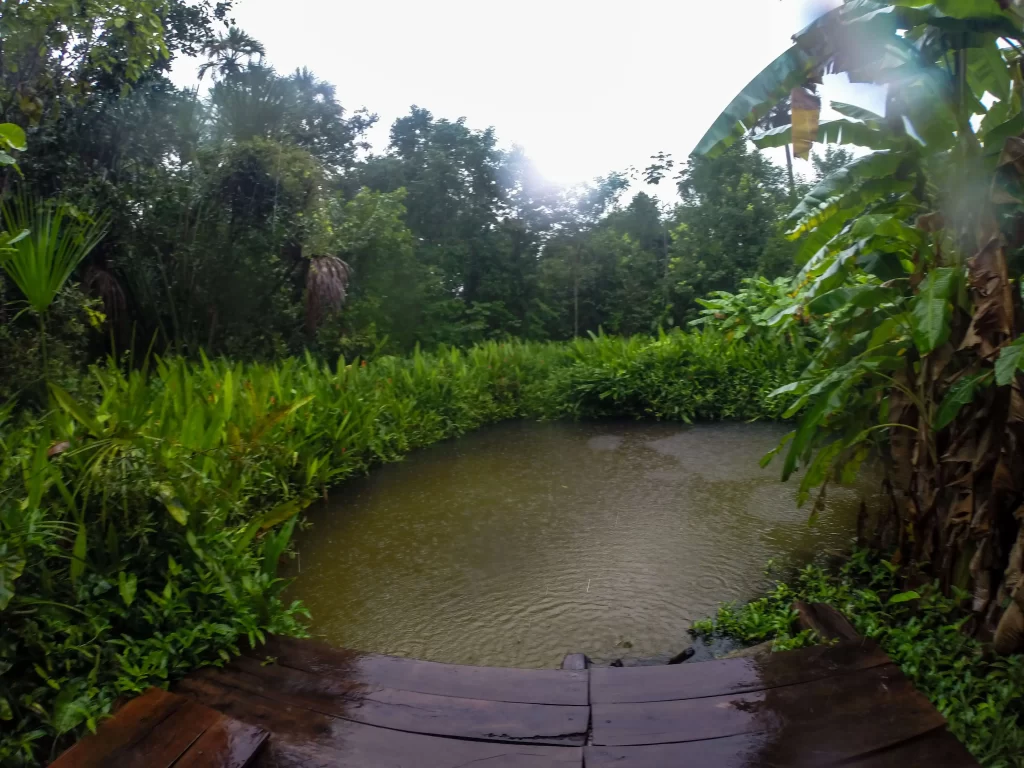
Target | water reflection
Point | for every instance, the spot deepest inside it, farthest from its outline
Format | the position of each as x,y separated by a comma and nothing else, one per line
522,542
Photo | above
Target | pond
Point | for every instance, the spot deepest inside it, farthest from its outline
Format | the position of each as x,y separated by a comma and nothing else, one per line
522,542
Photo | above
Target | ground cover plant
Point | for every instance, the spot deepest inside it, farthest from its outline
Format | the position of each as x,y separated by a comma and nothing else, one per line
143,516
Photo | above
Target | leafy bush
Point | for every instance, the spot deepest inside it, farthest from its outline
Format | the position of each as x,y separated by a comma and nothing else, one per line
141,528
678,376
978,692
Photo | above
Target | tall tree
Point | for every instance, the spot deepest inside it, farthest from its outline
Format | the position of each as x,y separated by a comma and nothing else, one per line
727,225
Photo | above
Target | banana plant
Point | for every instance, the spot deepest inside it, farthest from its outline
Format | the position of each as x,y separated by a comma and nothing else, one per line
906,255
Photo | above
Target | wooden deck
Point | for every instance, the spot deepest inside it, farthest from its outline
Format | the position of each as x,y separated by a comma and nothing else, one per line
840,705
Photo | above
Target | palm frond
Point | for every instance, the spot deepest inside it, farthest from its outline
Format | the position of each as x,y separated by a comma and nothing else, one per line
326,288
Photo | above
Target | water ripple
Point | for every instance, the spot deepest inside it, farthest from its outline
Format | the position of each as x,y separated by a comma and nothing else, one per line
523,542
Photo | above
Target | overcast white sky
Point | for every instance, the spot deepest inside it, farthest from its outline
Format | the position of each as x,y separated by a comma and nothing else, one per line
585,87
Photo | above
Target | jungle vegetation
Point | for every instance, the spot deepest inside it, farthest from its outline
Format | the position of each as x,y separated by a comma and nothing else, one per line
218,303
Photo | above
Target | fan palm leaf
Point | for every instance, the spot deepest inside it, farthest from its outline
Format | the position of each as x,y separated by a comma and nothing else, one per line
53,243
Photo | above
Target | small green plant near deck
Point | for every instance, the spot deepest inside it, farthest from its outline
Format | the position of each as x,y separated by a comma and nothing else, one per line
141,527
978,692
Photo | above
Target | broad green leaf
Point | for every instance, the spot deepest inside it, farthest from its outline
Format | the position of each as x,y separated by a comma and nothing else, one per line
904,597
929,319
827,401
274,546
988,70
78,553
826,198
6,713
178,512
68,709
12,564
959,395
283,512
857,113
73,407
1010,360
856,296
760,95
884,266
995,139
829,132
12,137
127,584
173,504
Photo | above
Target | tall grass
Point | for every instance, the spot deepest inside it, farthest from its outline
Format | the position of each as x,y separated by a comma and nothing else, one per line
142,518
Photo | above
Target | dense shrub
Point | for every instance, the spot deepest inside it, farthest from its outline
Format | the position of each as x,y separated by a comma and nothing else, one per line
140,530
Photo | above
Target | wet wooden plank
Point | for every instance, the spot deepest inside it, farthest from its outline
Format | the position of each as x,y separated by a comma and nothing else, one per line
936,749
726,676
132,724
871,709
169,740
525,686
408,710
828,622
227,743
301,738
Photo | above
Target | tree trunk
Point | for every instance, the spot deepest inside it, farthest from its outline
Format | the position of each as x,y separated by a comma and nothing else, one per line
576,293
792,181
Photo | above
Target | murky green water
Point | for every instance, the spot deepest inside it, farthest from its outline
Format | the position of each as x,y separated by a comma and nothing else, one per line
522,542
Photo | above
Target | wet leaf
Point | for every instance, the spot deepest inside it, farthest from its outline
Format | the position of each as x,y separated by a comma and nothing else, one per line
959,395
127,584
78,553
1010,360
929,320
904,597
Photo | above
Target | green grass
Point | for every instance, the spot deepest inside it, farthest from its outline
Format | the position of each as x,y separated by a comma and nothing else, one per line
143,516
979,693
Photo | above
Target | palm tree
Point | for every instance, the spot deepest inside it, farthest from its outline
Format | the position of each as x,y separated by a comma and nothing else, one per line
229,54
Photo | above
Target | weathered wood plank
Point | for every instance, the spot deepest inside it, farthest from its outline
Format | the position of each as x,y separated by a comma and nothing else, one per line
525,686
726,676
871,709
227,743
575,661
409,711
828,622
169,740
131,725
305,739
935,749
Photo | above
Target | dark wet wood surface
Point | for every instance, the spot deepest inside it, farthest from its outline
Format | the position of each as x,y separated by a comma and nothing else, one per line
841,705
713,678
526,686
935,749
303,738
160,730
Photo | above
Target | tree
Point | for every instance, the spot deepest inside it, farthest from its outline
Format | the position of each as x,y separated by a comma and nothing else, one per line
727,225
229,54
908,251
833,159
